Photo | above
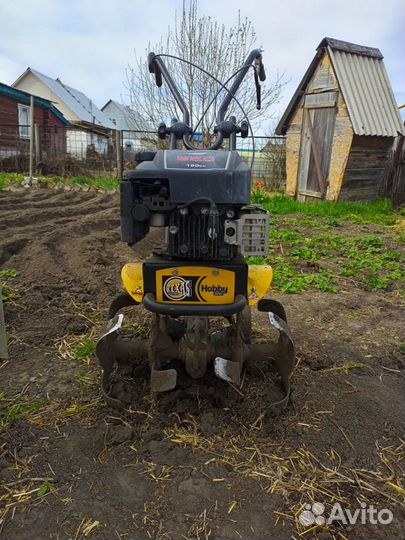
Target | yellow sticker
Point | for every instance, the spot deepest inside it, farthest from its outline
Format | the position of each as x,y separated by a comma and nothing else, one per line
195,285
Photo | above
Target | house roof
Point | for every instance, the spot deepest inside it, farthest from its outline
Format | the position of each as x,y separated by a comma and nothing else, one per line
25,98
365,86
76,101
122,116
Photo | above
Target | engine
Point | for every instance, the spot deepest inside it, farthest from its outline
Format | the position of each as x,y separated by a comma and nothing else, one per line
202,198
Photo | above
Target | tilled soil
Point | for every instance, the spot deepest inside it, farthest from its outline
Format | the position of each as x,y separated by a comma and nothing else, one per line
203,461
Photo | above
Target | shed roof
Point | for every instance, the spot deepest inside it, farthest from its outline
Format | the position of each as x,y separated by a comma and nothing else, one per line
75,100
365,86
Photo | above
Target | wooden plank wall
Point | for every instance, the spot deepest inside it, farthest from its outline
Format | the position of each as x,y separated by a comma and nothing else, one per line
393,184
365,168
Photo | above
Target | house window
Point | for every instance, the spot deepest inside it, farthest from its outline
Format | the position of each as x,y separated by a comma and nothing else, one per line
24,121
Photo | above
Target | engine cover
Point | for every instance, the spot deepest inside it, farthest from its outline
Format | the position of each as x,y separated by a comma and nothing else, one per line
200,197
220,175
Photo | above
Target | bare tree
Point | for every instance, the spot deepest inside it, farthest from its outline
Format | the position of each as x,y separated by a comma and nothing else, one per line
221,51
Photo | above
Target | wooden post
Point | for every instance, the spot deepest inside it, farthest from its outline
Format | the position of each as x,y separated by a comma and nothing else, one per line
3,339
37,145
118,147
31,137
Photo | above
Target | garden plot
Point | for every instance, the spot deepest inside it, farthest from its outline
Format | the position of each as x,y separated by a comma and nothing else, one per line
203,461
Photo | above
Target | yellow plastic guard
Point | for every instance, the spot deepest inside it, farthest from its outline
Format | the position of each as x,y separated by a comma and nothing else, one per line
259,281
132,278
260,277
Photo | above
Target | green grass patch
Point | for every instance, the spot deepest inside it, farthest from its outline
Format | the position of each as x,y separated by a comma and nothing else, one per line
380,211
99,183
13,409
82,181
289,279
285,236
10,178
85,349
347,366
256,260
8,292
325,261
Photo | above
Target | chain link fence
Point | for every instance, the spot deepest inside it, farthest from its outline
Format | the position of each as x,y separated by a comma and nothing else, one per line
268,165
75,151
59,150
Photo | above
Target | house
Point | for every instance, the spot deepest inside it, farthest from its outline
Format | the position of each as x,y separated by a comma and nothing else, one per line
91,129
130,124
15,128
122,116
340,125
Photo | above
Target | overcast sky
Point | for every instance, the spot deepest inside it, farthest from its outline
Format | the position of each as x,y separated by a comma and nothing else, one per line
88,43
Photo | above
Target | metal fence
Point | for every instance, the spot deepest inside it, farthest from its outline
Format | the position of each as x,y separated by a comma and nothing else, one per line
74,150
60,150
269,159
268,153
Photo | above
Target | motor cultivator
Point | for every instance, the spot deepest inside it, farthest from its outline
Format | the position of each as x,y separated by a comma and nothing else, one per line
202,199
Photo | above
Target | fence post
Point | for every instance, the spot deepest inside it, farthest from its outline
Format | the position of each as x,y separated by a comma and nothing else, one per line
37,145
3,338
31,137
118,149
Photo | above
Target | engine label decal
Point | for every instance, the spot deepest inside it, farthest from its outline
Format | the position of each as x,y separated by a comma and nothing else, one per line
195,285
199,159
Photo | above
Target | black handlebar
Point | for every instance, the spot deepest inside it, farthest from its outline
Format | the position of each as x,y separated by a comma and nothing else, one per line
159,69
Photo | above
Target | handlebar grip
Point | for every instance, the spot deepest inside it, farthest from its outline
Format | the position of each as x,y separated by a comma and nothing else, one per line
262,73
158,77
154,68
258,97
151,62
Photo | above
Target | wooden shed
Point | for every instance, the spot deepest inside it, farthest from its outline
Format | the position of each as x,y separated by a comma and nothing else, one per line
340,125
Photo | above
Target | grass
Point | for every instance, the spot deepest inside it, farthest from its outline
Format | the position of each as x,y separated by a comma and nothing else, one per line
289,279
319,250
85,349
8,292
322,261
13,409
105,184
380,211
10,178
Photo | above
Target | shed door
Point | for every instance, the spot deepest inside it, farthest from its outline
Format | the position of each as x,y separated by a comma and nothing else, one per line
316,144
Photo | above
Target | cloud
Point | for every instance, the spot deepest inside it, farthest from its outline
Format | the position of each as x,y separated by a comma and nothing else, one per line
88,44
